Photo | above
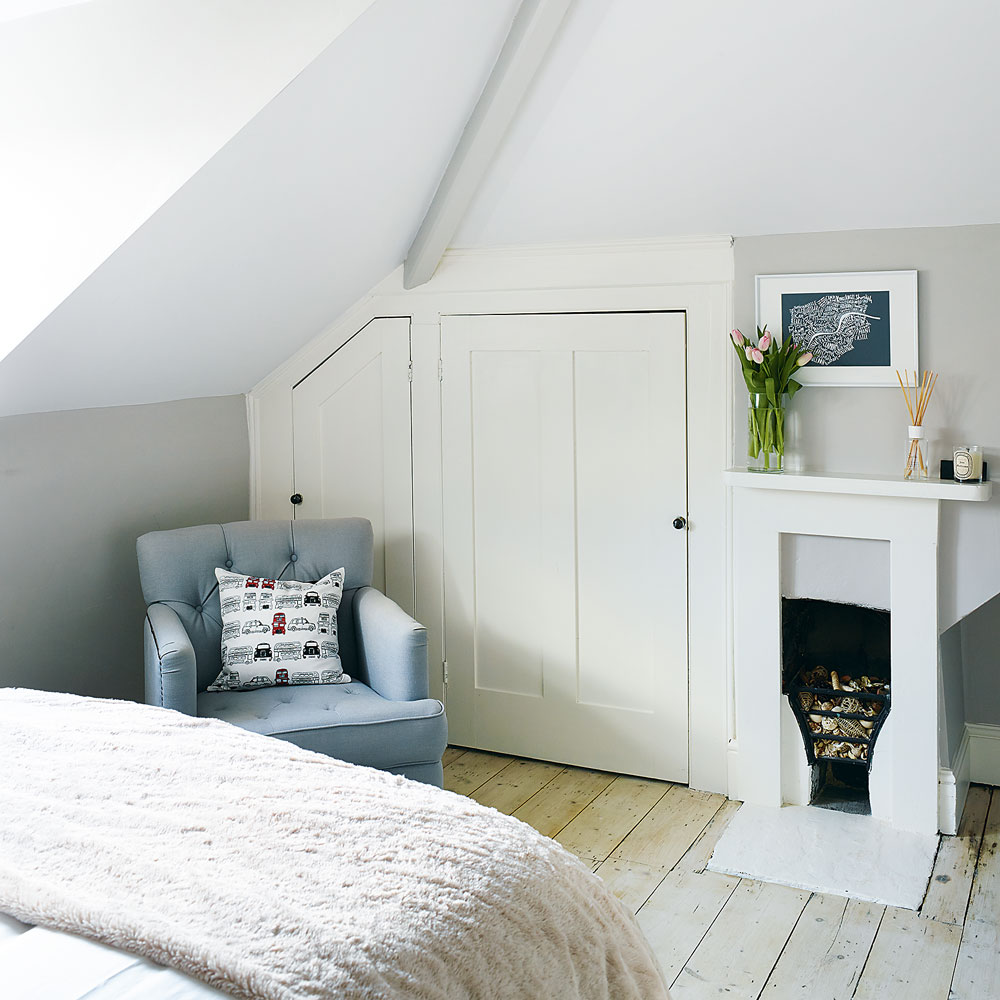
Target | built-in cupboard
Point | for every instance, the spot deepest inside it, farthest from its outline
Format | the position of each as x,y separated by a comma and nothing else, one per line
563,486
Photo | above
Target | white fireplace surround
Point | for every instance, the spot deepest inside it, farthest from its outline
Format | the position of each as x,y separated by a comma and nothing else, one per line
767,762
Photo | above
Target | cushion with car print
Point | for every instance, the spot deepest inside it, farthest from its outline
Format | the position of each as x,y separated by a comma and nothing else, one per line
276,633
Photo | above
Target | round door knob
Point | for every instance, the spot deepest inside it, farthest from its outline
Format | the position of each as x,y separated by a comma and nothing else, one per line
680,522
295,498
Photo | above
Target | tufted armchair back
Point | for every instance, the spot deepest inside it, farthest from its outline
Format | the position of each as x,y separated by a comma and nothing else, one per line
177,568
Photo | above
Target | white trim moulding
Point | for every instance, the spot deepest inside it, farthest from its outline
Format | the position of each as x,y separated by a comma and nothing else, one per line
531,35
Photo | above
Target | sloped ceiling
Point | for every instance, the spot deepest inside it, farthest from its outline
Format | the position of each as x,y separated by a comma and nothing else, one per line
108,107
648,119
311,204
659,119
11,10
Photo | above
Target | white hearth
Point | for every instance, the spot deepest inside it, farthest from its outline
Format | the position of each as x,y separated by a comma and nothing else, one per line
768,765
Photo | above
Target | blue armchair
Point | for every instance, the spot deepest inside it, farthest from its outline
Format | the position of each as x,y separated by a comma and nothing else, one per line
382,719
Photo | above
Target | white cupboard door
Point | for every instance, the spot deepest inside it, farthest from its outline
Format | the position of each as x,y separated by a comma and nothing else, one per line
351,431
564,457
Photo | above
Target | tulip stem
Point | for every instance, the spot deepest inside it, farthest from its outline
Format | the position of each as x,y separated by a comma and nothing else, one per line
766,432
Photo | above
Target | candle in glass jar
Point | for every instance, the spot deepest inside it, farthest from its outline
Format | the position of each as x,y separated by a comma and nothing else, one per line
968,463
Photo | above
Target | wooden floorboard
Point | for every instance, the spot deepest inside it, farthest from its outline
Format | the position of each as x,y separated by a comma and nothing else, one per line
564,798
737,954
451,754
678,914
717,935
666,832
912,958
948,894
603,824
472,769
631,881
977,972
827,950
687,901
515,784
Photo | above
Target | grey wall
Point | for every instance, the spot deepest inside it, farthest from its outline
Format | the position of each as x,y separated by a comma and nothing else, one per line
864,429
952,693
77,488
981,659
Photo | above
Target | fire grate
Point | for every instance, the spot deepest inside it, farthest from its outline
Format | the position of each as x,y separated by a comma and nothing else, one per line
839,716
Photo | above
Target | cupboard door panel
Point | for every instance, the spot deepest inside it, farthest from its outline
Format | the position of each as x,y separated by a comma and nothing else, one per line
565,585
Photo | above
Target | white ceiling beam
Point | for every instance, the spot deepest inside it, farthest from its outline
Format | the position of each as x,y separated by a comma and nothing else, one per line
531,35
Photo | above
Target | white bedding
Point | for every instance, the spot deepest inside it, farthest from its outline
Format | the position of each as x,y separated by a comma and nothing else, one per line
271,872
41,964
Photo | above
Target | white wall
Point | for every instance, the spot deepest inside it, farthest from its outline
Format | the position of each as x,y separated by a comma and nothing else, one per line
843,570
77,489
108,108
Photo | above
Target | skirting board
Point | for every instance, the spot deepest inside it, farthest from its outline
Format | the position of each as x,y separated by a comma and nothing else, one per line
953,788
977,761
984,753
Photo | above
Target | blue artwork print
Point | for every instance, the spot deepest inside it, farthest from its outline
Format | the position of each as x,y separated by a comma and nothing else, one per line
840,328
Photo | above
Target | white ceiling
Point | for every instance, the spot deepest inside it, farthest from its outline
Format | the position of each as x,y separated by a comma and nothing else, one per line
649,119
721,116
11,10
107,108
311,204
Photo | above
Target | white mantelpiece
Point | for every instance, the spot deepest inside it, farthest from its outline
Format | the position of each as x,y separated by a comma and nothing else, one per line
860,485
904,777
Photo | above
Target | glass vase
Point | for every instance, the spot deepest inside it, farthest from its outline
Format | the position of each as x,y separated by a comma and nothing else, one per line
767,436
917,467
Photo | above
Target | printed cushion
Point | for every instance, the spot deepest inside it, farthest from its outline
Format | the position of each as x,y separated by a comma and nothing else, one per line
278,632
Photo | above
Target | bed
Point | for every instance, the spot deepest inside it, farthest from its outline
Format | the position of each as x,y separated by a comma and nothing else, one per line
151,854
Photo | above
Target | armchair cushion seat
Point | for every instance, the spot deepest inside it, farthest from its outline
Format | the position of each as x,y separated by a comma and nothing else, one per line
347,721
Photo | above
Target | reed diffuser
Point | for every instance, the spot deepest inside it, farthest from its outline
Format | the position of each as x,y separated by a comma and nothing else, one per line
917,396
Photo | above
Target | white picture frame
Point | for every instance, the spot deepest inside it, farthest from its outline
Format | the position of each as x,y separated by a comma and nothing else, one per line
847,306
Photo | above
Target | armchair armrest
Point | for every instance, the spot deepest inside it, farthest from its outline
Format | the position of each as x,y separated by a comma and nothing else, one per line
171,675
392,647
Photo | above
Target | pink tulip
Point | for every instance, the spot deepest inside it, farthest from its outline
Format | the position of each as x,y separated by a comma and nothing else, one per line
765,341
805,359
748,351
757,355
737,338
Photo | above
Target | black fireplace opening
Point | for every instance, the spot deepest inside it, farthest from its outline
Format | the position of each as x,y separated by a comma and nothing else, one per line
836,674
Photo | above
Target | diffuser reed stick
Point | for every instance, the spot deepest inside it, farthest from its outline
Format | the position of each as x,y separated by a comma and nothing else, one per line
916,407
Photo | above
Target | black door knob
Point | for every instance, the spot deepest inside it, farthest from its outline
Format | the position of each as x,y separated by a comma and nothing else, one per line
296,498
680,522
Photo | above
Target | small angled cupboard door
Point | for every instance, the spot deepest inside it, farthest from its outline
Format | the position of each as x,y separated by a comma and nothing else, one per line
351,427
564,448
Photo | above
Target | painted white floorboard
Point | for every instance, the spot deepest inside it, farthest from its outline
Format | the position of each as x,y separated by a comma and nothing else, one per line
827,851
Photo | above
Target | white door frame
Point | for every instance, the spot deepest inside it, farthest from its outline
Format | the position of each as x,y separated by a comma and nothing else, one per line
693,276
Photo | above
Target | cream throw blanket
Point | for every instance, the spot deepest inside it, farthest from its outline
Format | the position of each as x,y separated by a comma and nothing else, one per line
272,872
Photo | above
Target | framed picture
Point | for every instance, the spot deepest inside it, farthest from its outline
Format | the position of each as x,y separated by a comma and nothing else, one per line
860,325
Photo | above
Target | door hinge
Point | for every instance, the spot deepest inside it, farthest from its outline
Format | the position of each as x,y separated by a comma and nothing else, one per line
440,370
409,372
444,671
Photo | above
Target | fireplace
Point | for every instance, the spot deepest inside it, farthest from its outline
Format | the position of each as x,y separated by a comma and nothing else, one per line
836,662
825,540
879,541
